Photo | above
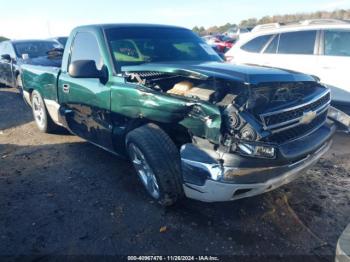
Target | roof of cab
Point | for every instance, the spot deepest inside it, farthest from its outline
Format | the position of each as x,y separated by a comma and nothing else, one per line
126,25
30,40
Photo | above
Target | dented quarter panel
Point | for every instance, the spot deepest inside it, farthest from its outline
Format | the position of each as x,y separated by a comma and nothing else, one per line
41,78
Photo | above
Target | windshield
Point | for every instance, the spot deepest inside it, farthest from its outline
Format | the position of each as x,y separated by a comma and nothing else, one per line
138,45
34,49
62,40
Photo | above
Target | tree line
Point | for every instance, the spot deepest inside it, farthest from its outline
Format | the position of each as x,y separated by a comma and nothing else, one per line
2,38
288,18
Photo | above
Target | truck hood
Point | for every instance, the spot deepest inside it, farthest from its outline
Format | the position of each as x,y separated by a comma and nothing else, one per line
247,74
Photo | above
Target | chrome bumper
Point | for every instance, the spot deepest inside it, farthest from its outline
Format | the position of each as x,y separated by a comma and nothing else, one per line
215,189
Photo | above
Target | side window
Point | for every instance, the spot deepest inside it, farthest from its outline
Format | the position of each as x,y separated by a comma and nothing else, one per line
11,51
272,47
337,42
85,47
302,42
5,48
255,45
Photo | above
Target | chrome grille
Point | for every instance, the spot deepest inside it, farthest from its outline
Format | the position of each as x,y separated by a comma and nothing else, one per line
297,131
284,119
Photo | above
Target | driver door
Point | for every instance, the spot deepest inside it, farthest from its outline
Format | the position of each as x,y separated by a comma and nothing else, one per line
86,101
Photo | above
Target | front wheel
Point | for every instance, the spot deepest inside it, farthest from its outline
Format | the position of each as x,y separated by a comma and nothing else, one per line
157,163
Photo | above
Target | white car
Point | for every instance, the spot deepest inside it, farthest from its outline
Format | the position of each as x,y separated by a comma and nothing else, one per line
236,32
316,47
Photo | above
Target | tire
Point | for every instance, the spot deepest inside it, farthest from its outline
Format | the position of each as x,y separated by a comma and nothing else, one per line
40,114
2,85
19,84
153,152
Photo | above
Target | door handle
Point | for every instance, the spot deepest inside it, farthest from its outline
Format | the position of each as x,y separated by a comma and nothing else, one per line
65,88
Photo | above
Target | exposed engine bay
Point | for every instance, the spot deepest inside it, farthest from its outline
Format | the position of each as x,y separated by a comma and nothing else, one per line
243,107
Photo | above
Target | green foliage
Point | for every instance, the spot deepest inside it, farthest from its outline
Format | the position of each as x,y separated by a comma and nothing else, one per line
2,38
289,18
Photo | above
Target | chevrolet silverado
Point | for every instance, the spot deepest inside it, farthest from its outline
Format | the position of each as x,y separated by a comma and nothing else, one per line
191,125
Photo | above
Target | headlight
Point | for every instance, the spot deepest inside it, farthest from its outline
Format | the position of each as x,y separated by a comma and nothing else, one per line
257,150
339,117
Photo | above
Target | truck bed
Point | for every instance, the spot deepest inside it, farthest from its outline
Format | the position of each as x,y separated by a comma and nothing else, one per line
41,78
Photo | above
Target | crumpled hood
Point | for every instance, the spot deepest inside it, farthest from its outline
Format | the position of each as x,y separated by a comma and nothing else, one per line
252,75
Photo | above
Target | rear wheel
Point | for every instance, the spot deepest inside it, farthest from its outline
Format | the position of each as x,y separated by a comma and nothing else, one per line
41,116
157,163
2,85
19,85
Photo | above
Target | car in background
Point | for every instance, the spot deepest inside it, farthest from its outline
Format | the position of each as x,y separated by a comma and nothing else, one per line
220,43
235,32
17,52
62,40
316,47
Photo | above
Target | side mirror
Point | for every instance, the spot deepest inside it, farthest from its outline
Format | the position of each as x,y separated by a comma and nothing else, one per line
6,57
88,69
84,69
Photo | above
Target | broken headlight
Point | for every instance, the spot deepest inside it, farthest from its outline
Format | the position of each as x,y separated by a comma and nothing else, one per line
256,150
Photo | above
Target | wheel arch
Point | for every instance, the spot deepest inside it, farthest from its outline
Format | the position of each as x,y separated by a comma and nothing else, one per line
27,96
177,133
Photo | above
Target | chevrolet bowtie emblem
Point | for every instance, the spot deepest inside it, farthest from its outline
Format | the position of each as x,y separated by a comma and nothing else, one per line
307,117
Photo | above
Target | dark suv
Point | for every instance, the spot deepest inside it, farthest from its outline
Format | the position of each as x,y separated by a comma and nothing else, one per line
15,53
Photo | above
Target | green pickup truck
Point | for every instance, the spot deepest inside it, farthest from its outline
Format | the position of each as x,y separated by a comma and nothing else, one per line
192,125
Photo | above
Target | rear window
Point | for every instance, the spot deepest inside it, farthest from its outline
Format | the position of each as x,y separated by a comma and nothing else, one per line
255,45
302,42
337,43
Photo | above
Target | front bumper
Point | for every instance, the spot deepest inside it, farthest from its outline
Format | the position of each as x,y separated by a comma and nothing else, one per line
210,176
215,191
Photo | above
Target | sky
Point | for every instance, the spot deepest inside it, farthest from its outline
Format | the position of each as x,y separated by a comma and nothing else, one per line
20,19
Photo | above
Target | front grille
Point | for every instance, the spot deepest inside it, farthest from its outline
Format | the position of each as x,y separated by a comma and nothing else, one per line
288,118
294,132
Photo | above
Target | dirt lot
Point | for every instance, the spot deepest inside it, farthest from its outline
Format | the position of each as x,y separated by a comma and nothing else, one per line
60,195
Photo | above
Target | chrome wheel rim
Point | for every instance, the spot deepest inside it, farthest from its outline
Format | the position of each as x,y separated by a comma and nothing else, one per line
39,111
19,82
144,171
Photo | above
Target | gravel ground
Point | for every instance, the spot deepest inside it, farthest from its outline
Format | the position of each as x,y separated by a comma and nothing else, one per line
60,195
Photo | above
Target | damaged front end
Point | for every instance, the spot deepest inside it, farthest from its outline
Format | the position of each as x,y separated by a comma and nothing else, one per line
250,132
